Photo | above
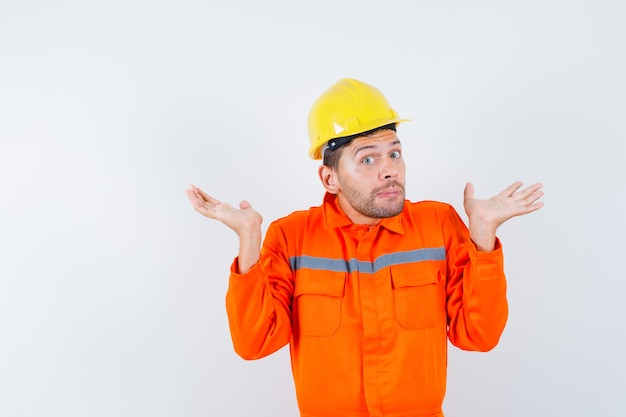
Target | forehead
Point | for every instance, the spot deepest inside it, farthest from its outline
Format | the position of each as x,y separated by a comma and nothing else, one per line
381,139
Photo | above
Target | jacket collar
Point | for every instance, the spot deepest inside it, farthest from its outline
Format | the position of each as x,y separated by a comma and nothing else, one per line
335,217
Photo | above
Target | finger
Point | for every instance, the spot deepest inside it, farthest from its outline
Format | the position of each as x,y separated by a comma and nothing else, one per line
190,194
194,197
197,202
468,192
533,207
531,199
510,190
193,189
204,208
529,191
207,197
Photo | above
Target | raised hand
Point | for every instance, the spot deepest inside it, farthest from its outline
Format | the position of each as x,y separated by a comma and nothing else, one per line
245,221
241,220
486,215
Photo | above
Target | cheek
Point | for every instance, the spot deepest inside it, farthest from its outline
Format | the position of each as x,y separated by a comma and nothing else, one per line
350,174
348,169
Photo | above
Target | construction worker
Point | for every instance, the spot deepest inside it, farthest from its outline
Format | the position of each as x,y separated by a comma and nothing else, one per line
368,287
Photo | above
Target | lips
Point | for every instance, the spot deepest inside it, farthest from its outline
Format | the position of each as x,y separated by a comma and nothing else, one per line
390,192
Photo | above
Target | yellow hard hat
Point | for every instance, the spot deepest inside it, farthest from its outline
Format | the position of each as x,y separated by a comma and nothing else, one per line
347,108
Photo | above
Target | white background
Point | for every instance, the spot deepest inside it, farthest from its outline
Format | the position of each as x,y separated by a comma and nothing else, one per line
112,287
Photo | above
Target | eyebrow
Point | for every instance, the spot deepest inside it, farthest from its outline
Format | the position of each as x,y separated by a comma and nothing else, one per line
366,147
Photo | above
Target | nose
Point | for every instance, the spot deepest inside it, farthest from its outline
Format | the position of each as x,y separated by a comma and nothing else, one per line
388,169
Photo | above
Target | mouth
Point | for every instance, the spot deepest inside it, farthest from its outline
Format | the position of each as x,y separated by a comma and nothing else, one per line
390,192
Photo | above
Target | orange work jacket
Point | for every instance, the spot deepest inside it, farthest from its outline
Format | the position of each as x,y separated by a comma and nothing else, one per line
367,311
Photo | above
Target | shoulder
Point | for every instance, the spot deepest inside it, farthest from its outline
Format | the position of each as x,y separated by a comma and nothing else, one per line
289,232
428,206
429,213
299,218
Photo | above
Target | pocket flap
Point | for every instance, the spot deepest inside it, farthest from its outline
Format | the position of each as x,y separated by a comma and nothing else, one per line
415,274
309,281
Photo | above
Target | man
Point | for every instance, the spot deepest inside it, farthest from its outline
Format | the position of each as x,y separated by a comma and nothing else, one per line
368,287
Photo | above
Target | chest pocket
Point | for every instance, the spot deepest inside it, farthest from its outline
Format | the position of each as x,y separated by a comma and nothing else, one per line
418,295
317,302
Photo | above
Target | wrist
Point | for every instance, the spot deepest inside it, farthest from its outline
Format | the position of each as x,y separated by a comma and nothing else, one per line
484,237
249,249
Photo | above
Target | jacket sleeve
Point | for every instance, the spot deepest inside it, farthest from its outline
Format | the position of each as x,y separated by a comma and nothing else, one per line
476,305
258,303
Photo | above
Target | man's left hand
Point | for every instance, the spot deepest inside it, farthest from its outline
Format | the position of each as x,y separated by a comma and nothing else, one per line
486,215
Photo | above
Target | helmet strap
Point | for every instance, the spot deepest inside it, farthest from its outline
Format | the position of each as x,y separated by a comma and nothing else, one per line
339,142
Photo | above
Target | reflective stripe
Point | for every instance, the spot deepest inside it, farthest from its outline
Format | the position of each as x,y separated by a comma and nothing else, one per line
343,265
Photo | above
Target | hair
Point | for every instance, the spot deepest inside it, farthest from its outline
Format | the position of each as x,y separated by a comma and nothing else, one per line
331,156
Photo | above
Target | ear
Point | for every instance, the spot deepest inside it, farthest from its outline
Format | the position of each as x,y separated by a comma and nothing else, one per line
328,178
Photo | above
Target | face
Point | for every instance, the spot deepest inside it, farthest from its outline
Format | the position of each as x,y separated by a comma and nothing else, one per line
369,180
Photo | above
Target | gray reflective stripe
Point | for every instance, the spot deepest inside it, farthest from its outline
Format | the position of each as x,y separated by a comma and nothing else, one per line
343,265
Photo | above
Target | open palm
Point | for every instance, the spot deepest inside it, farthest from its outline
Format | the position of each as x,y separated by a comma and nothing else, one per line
503,206
485,216
244,219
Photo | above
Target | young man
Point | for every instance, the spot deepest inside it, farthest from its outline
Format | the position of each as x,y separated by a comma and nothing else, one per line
368,287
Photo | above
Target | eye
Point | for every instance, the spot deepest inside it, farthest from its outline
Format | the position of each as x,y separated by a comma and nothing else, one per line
396,155
368,160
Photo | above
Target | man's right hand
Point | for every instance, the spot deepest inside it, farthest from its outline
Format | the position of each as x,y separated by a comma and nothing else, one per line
245,221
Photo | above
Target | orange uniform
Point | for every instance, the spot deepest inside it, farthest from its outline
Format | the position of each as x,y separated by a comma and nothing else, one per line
368,310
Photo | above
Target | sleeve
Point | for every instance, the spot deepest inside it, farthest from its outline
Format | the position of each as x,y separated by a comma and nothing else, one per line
259,302
476,303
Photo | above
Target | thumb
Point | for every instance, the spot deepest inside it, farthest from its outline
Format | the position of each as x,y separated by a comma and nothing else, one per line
245,205
468,193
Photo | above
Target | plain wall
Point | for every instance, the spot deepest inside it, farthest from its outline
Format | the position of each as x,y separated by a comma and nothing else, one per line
112,287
